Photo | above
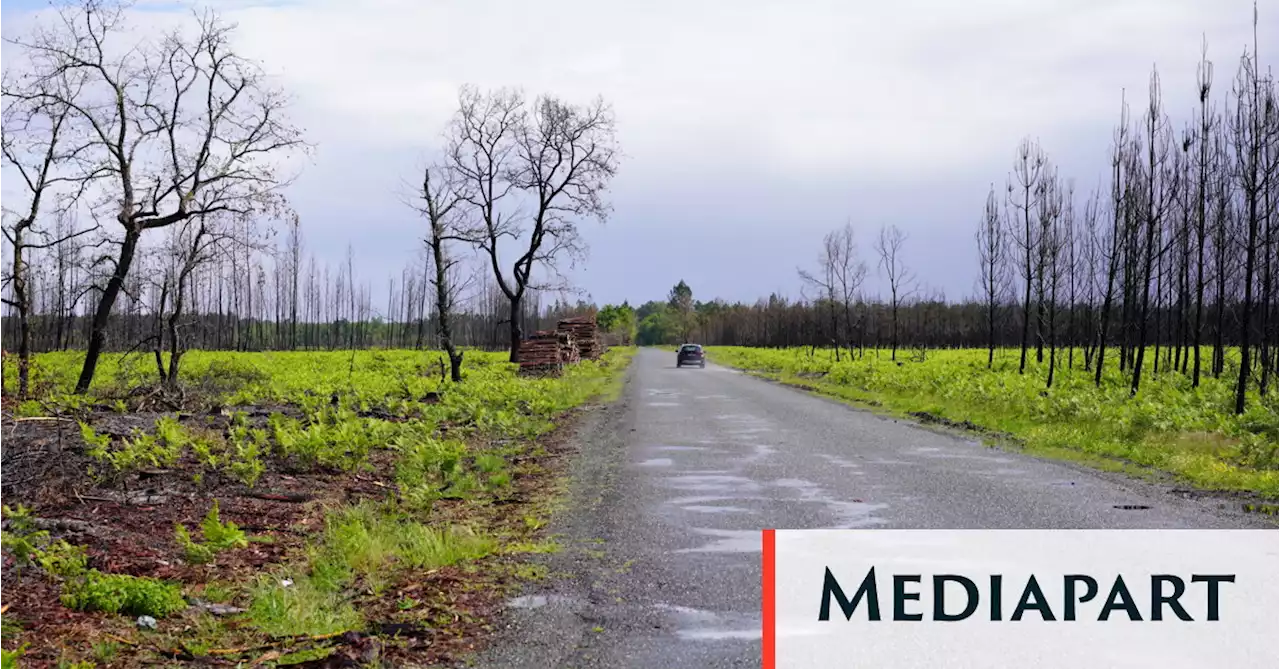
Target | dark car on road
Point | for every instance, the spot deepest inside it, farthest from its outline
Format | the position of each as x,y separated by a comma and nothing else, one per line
691,354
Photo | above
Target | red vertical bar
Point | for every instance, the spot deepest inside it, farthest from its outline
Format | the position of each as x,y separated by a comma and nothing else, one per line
768,639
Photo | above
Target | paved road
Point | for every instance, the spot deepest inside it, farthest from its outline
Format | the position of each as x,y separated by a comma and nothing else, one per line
675,482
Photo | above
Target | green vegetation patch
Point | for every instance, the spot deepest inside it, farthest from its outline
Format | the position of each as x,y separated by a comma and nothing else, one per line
9,658
367,544
329,412
218,537
9,627
121,593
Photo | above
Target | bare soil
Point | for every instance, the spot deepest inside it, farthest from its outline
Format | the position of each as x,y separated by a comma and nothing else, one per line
127,527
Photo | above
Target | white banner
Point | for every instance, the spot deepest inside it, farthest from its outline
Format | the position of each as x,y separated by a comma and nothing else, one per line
1049,599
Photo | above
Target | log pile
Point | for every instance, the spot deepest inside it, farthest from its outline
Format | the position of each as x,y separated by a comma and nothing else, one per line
585,334
548,351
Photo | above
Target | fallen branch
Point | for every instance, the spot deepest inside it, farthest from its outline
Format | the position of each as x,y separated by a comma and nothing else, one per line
96,498
292,497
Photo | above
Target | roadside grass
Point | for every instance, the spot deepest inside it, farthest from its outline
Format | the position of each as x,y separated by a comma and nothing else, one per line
310,605
1168,429
456,483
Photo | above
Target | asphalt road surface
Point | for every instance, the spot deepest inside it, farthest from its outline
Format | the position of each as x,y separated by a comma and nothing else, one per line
660,566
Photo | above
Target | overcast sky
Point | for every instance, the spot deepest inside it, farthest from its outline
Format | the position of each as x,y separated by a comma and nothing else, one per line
749,129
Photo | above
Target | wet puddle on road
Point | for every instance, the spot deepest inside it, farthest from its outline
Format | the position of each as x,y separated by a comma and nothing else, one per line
746,417
701,625
706,499
806,486
721,483
657,462
709,480
699,508
661,393
759,452
719,635
747,431
663,404
839,462
537,601
726,541
724,493
857,515
849,514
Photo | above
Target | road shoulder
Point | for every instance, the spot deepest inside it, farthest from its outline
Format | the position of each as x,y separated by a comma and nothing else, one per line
557,618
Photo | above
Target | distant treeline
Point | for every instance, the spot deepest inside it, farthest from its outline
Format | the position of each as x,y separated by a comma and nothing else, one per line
778,322
325,314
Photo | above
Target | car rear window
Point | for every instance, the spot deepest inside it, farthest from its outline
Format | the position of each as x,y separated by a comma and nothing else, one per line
691,349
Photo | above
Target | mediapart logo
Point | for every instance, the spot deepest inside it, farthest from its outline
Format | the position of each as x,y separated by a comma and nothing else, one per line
1051,599
1165,594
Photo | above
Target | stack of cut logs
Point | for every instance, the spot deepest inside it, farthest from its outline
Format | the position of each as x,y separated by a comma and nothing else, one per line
547,351
585,335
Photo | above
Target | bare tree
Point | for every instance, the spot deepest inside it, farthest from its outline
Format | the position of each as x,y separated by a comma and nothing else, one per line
901,280
1158,193
1028,168
1048,213
827,284
1091,242
849,274
1224,246
1112,243
295,266
1059,209
1253,131
195,242
441,198
1208,123
559,157
36,143
177,127
993,261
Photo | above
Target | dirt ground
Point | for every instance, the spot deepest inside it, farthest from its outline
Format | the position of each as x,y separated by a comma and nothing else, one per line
127,527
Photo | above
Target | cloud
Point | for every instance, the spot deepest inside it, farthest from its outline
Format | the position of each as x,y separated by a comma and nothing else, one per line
752,127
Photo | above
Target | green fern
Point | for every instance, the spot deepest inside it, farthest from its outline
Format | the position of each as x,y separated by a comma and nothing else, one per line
9,658
222,536
191,551
218,537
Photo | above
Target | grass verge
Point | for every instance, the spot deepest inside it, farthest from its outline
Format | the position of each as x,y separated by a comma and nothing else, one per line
1168,431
